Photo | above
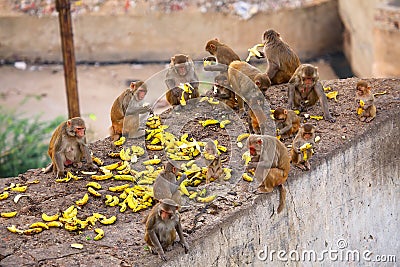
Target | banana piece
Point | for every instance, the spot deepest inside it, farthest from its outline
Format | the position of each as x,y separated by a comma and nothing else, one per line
206,199
110,220
51,218
247,177
246,157
182,101
33,231
114,202
113,166
14,229
242,136
95,185
228,173
119,188
8,214
213,102
183,188
98,161
76,245
124,177
83,200
94,192
4,195
155,147
39,225
55,224
316,117
253,52
152,162
332,95
208,122
223,123
102,177
120,141
20,189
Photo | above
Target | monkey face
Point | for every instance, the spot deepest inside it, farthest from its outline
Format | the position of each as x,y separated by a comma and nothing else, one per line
307,136
166,215
141,93
361,90
80,131
181,68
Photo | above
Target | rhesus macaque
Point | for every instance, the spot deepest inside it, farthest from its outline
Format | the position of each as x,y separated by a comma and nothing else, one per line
305,90
126,109
272,163
366,110
287,122
243,76
166,185
162,223
68,147
257,118
224,54
181,70
302,147
213,160
282,60
224,91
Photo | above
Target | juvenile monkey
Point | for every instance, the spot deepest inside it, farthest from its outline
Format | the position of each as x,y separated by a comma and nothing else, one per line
287,122
166,185
302,147
224,54
282,60
162,223
213,160
366,110
272,163
244,78
181,70
257,118
224,91
305,90
68,147
126,109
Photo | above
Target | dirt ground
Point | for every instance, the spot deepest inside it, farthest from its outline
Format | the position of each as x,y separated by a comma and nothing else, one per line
123,243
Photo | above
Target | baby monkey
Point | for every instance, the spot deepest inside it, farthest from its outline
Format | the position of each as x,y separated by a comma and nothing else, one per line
366,110
287,122
162,223
214,170
302,147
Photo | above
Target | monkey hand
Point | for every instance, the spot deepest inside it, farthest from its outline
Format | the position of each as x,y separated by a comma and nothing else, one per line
91,166
162,255
330,119
176,91
185,246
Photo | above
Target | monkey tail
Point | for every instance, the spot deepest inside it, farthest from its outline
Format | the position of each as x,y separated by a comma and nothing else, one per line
282,198
48,168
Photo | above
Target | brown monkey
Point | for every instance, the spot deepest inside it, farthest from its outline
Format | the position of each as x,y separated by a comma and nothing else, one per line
224,91
244,78
68,147
272,163
181,70
162,223
166,185
214,169
257,118
366,110
301,152
305,90
126,109
282,60
224,54
287,122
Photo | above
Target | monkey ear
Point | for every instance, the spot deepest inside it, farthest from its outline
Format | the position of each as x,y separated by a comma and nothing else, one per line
213,47
285,111
259,141
173,59
258,83
132,86
216,39
69,123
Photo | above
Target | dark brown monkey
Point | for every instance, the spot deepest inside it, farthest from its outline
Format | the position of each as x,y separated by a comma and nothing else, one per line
224,91
305,90
224,54
126,109
213,160
287,122
301,152
166,185
273,164
244,78
181,70
282,60
162,223
366,109
68,147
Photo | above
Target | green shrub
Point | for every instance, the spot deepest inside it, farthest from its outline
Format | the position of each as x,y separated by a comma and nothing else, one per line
23,142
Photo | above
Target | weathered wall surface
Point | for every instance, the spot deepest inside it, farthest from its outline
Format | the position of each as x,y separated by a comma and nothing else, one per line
372,35
156,36
347,206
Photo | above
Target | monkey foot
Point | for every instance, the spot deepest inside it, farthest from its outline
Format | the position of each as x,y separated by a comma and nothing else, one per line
301,166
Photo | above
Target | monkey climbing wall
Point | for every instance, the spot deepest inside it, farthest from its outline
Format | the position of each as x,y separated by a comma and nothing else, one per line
344,211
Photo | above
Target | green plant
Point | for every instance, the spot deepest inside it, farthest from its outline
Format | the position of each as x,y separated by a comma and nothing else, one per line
23,142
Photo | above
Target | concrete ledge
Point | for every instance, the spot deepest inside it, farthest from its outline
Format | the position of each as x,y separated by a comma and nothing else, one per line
150,36
349,203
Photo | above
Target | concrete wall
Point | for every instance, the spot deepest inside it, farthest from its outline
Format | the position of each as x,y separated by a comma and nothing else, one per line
349,203
372,35
153,36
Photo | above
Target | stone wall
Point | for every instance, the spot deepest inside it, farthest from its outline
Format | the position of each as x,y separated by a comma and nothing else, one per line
343,212
155,36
